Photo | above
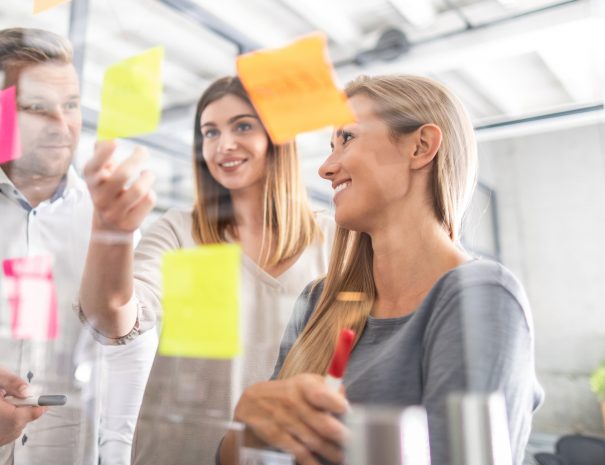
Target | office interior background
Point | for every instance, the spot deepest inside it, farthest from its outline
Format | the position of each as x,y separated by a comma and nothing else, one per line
530,72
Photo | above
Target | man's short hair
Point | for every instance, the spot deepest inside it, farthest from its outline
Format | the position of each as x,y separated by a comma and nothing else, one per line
22,47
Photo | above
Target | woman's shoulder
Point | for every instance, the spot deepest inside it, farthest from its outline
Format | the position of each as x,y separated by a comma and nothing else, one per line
178,216
480,285
307,302
177,219
173,226
484,273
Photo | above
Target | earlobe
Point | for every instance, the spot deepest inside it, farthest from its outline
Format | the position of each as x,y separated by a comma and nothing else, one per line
428,142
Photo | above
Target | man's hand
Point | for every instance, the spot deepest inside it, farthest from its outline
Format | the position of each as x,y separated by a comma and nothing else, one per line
121,195
13,419
297,416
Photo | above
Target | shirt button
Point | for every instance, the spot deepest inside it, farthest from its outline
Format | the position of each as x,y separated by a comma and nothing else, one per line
34,212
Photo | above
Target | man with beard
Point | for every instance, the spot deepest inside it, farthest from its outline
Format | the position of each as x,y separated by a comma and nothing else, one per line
46,210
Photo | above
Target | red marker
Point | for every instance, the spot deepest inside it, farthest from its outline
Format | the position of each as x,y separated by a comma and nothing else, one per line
340,358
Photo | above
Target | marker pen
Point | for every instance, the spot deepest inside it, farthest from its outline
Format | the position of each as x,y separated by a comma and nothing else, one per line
37,401
344,345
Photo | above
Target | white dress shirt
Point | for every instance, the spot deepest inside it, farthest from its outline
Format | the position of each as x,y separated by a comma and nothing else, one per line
92,377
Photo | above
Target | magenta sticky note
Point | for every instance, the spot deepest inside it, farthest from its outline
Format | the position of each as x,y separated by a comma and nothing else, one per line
10,139
32,297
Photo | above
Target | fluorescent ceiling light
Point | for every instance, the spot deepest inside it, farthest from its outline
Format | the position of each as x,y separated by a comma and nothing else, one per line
262,22
420,13
509,4
328,16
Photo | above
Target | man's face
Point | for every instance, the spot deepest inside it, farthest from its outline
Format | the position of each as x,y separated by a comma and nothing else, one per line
50,119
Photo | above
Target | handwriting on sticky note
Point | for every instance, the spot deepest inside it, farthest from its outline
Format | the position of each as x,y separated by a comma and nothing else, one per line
293,88
43,5
32,297
131,100
201,302
10,139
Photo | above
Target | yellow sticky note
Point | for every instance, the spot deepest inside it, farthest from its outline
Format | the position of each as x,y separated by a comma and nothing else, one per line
43,5
201,302
131,100
293,88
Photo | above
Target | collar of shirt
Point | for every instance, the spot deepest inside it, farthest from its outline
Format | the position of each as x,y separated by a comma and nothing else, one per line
70,185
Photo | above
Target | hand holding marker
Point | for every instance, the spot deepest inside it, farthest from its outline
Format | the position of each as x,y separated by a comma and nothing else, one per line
37,401
338,365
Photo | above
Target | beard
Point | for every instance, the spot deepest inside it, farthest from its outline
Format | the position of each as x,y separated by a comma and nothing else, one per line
42,162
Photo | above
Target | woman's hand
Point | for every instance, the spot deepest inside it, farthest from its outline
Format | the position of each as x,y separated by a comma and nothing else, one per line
121,194
297,416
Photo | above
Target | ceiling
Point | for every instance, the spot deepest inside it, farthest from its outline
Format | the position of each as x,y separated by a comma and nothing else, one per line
508,60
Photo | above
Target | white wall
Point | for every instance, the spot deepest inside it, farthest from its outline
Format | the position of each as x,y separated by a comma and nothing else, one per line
551,210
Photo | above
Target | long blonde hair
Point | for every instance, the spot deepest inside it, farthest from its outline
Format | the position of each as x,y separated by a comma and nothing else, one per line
288,223
404,103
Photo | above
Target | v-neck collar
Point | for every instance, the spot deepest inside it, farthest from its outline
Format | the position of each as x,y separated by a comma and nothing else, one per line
260,273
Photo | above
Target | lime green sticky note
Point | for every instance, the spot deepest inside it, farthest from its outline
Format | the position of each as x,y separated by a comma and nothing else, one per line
131,100
201,302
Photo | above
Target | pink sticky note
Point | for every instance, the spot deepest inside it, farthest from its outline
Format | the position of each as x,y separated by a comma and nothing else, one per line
10,140
32,297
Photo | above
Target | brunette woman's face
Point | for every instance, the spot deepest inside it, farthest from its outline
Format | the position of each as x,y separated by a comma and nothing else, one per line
235,143
368,169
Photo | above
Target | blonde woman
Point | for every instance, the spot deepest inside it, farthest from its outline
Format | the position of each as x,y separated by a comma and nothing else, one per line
432,320
249,192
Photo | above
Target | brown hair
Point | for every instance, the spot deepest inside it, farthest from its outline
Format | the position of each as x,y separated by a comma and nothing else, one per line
404,103
288,223
21,47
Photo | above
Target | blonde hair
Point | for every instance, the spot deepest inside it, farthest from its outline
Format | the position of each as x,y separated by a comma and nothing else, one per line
404,103
288,222
22,47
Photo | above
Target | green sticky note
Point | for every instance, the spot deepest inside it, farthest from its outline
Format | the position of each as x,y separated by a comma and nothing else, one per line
201,302
131,100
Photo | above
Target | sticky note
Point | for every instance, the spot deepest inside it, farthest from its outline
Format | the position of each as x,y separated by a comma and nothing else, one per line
43,5
10,139
131,99
201,302
293,88
32,297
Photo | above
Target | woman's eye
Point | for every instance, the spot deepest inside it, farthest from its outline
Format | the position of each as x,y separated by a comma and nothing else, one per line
243,127
72,105
346,137
210,133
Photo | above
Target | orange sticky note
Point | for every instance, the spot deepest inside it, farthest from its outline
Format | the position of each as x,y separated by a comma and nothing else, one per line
32,297
43,5
293,88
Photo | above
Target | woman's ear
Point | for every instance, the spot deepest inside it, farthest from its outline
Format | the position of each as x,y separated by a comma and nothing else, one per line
428,141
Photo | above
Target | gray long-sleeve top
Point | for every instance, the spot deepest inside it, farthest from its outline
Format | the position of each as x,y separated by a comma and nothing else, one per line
473,332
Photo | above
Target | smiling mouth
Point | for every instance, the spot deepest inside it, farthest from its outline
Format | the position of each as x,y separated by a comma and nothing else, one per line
342,186
232,164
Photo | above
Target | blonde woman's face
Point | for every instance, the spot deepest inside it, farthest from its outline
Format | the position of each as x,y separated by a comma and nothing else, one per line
369,171
234,143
